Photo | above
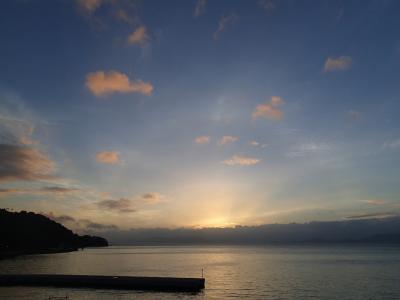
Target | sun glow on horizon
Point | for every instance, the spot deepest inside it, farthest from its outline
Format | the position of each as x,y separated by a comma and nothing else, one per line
215,222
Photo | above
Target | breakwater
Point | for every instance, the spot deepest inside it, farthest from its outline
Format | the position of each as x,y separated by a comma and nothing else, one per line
105,282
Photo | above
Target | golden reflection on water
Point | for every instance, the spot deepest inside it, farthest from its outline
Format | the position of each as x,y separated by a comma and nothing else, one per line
291,272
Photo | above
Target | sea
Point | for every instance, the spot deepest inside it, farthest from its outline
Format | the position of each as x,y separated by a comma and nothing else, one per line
231,272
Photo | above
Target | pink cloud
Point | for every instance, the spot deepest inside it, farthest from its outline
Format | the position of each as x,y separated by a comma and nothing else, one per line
102,83
269,109
108,157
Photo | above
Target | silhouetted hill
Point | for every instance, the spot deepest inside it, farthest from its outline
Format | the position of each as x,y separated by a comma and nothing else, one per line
27,232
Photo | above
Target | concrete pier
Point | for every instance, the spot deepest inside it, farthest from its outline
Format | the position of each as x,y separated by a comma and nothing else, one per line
105,282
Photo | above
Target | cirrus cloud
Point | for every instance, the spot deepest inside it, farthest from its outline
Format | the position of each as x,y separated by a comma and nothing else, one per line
102,83
241,160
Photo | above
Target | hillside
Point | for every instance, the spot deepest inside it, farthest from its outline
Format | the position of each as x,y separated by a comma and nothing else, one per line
28,232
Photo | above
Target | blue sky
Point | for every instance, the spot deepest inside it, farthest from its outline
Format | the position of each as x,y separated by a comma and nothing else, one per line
200,113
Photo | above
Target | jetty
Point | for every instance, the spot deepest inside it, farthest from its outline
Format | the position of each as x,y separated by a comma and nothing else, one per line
105,282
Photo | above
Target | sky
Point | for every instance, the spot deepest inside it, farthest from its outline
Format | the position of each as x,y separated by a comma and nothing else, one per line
118,114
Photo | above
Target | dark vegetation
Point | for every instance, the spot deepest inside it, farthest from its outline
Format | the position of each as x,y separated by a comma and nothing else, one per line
26,232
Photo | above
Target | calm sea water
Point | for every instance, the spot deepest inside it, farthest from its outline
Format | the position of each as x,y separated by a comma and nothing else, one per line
273,272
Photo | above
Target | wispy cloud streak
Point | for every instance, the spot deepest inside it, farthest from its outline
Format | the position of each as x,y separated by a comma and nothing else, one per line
200,8
227,139
241,160
225,22
340,63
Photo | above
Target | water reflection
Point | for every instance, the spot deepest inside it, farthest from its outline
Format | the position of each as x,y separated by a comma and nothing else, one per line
231,272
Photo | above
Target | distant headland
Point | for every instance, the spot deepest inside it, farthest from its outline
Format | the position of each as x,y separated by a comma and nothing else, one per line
30,233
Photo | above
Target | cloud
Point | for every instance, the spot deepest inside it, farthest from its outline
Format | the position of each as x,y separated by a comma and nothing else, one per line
24,163
98,226
129,205
21,157
102,83
340,63
108,157
120,10
227,139
391,144
373,215
257,144
268,5
88,6
79,224
139,36
200,8
203,139
309,148
16,131
16,127
354,115
375,201
269,109
123,15
122,205
60,218
152,198
224,23
58,189
355,231
241,160
8,191
40,191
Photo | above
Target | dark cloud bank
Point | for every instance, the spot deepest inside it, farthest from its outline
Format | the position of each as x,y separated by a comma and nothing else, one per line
80,224
383,230
23,163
